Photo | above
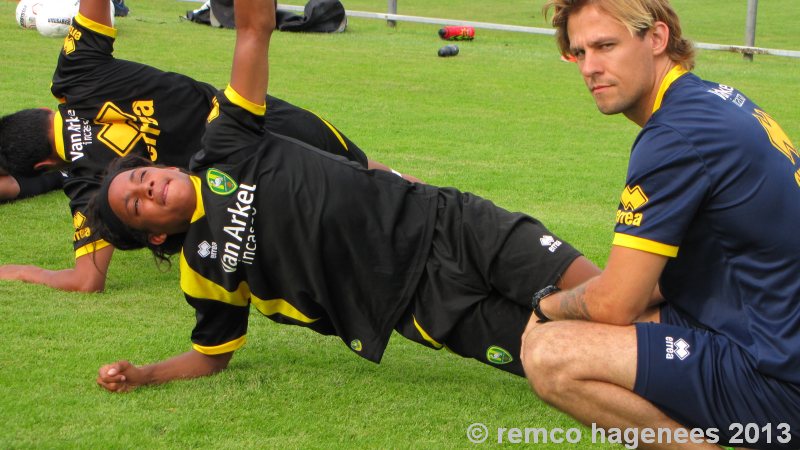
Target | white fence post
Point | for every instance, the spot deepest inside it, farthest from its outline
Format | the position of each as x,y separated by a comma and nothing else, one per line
750,27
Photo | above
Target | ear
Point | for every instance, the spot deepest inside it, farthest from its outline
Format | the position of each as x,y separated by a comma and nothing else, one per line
660,39
157,239
48,163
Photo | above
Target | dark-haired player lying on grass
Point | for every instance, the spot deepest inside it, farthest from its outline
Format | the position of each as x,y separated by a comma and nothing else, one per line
311,239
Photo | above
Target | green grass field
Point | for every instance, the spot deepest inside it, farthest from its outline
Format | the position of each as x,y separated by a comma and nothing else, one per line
506,119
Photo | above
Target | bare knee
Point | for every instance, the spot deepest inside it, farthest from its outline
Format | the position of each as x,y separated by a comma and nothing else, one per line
546,359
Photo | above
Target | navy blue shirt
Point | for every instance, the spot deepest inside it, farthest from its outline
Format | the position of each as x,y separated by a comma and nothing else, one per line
714,184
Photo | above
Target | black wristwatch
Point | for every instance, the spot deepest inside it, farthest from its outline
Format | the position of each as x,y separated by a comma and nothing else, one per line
537,298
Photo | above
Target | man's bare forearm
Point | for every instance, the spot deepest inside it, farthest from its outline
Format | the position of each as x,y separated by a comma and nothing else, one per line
572,304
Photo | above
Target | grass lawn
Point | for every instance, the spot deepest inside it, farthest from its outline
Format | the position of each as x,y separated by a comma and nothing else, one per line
506,119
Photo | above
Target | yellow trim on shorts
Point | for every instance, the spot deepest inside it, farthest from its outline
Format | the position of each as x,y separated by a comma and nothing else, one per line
634,242
282,307
96,27
244,103
333,130
227,347
425,335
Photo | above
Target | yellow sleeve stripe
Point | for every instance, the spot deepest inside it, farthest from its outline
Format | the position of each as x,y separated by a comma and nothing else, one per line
244,103
333,130
58,134
91,248
198,286
425,335
626,240
282,307
199,209
96,27
227,347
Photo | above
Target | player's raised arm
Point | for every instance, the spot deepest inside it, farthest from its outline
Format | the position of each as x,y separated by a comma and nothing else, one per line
255,22
96,10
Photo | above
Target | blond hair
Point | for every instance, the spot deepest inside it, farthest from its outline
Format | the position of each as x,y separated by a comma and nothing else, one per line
638,16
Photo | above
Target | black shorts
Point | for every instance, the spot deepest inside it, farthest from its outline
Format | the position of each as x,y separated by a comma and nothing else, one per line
484,267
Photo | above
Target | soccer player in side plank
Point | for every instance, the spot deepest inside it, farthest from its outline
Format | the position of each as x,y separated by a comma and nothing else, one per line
112,108
311,239
720,349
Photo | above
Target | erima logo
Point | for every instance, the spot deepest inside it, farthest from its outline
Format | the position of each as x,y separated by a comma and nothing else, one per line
679,348
498,355
122,131
220,182
632,198
81,230
214,113
69,41
205,250
355,344
550,242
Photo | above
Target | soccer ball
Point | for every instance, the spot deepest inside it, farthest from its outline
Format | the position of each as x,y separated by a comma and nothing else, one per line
55,17
26,13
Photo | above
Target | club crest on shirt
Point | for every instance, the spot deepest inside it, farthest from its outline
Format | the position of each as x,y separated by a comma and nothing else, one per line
220,182
498,355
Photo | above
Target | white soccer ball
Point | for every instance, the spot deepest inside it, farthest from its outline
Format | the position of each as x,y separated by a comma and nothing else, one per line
26,13
55,17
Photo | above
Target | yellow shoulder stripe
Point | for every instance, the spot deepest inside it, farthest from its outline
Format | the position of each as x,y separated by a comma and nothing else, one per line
227,347
646,245
282,307
198,286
